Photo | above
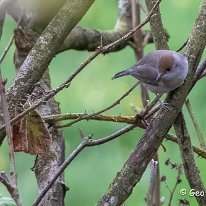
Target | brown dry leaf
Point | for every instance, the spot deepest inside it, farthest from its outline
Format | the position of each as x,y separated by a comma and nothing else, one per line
31,135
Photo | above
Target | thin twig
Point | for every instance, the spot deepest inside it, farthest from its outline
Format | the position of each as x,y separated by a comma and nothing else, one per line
87,142
178,181
2,18
140,5
200,73
52,119
3,55
185,43
53,92
197,150
153,178
9,186
103,110
129,34
9,133
196,125
67,83
178,168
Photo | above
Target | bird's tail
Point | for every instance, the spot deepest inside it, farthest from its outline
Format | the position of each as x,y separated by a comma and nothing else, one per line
121,74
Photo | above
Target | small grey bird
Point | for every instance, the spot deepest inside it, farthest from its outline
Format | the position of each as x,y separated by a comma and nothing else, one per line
160,71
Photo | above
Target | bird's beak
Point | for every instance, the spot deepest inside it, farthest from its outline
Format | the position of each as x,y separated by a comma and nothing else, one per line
159,77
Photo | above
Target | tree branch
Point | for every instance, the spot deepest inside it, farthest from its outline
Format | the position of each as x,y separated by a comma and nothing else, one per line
122,185
9,133
196,125
152,184
10,187
197,150
18,93
14,9
90,39
45,48
158,32
191,171
2,17
103,110
136,120
87,142
53,119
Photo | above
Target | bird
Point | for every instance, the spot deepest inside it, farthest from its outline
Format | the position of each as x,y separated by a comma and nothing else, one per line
160,71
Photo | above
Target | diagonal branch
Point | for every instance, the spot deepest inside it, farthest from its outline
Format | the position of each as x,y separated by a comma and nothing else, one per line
191,171
196,125
87,142
103,110
199,151
9,133
10,187
122,185
17,91
158,32
45,48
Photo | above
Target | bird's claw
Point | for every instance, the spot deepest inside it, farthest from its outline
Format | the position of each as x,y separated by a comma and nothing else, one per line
166,106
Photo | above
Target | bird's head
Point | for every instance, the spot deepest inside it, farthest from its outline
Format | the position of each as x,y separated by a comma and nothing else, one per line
165,65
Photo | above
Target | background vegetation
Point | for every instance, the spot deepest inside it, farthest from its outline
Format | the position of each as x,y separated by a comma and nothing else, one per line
90,174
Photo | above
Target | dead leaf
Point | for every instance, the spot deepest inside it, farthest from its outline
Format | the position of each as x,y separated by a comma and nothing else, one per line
31,135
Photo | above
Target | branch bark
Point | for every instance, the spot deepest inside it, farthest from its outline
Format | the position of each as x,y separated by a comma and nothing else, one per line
87,142
122,185
45,48
30,72
54,119
190,168
158,32
90,39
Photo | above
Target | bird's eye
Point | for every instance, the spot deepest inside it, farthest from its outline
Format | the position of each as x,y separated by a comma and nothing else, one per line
168,69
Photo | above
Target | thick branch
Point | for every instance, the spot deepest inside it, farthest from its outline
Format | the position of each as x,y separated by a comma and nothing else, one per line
90,39
67,83
46,47
122,185
191,171
158,32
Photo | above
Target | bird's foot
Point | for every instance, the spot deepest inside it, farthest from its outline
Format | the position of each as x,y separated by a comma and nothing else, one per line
166,106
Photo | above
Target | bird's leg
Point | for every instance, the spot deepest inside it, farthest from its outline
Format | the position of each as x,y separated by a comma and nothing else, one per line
151,105
163,104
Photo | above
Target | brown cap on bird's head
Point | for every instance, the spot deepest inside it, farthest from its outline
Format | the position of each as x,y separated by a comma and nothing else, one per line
165,63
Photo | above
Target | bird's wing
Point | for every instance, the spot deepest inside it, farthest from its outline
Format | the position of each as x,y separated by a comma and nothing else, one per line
145,73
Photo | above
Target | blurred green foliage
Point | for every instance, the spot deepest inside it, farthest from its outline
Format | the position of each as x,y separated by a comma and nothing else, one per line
93,170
